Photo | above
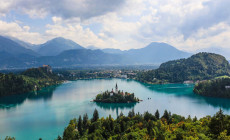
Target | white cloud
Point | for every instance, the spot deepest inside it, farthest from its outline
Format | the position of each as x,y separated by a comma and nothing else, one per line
75,32
214,36
64,8
188,25
5,6
23,33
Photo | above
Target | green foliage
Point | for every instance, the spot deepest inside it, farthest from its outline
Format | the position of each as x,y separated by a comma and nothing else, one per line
213,88
197,67
146,126
30,80
80,126
95,116
116,98
85,121
157,114
9,138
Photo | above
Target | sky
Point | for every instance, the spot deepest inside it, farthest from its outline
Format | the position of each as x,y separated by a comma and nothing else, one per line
188,25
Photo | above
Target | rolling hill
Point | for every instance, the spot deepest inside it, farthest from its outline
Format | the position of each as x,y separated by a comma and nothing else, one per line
201,66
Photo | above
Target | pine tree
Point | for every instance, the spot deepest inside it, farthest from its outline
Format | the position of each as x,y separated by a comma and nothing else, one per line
220,116
111,122
85,120
95,115
131,113
166,115
121,114
80,125
195,119
157,114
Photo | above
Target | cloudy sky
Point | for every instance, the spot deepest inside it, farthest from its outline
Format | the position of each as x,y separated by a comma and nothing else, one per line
188,25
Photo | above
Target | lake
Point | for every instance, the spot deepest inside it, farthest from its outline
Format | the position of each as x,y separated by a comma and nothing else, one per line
46,113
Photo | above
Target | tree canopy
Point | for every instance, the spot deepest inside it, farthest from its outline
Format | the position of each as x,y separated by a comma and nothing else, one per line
217,87
29,80
148,126
201,66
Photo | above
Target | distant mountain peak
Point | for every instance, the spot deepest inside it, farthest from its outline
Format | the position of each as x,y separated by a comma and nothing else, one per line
91,47
57,45
159,44
59,38
12,47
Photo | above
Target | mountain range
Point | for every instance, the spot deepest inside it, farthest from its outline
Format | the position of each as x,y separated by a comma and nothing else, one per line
61,52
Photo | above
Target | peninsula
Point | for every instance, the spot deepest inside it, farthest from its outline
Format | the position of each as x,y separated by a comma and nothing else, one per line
32,79
218,87
116,96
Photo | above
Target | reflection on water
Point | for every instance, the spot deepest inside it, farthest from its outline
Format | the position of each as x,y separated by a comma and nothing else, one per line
8,102
178,89
115,106
221,103
185,90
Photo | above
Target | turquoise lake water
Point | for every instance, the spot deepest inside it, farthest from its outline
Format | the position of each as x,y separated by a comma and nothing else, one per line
46,113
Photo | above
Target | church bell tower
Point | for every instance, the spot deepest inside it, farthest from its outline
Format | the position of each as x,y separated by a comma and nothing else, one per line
116,89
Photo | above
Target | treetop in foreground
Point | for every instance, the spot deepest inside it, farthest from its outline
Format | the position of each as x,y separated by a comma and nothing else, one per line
149,126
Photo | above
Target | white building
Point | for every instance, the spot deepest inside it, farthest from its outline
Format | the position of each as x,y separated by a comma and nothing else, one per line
124,76
116,89
114,92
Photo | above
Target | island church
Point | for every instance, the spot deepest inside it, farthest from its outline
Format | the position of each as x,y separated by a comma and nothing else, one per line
116,91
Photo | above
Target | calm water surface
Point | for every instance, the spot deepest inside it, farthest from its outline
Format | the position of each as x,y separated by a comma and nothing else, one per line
46,113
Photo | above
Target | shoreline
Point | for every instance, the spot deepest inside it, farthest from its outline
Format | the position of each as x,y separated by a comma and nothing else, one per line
116,102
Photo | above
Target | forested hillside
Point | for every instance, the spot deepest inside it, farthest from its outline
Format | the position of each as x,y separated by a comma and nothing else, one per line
219,87
30,80
197,67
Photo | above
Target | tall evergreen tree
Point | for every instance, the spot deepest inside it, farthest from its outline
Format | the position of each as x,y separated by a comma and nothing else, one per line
121,114
131,113
157,114
80,125
85,120
111,122
95,115
166,115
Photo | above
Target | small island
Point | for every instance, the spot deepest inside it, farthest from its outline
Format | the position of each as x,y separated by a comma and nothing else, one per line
116,96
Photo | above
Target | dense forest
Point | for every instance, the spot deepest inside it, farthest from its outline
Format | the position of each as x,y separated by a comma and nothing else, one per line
201,66
217,87
148,126
29,80
116,98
